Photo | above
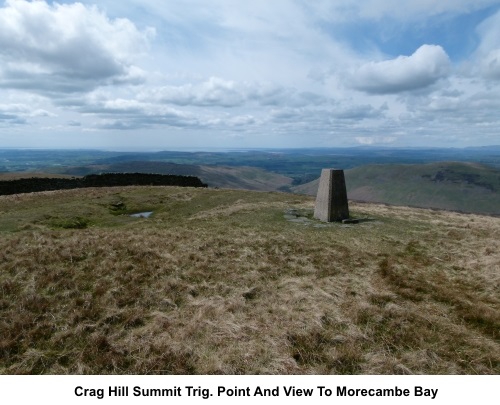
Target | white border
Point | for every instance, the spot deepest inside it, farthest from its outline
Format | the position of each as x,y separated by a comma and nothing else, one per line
55,390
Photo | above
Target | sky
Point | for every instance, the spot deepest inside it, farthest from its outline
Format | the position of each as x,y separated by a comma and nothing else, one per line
203,74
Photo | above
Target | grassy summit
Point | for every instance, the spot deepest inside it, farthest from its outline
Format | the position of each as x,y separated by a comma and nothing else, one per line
222,281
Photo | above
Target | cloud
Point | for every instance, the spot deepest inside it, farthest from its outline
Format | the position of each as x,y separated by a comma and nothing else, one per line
126,114
490,65
428,64
213,92
274,72
357,112
66,48
20,113
9,118
488,52
42,113
218,92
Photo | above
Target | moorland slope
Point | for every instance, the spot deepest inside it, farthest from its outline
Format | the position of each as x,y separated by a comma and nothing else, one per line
459,186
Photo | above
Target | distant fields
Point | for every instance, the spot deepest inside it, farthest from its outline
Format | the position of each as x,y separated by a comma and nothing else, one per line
221,282
301,165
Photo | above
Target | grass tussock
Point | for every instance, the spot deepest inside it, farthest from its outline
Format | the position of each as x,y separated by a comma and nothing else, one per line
219,282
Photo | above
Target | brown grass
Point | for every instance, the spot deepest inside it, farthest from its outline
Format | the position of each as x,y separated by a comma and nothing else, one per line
219,282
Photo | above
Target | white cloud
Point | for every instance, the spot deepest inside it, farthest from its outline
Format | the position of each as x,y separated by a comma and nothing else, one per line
213,92
65,48
428,64
218,92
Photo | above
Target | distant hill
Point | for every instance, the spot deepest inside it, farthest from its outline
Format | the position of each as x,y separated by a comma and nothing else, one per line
467,187
27,175
240,177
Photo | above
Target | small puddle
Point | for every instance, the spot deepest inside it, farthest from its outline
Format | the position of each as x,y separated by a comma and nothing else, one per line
142,214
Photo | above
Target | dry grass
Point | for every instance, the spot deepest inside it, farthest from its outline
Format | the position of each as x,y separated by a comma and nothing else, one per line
218,282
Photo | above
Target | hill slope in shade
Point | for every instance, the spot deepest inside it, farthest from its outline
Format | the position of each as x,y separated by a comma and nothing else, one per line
467,187
240,282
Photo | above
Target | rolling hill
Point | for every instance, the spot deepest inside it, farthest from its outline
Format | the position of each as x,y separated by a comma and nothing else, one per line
238,177
467,187
242,282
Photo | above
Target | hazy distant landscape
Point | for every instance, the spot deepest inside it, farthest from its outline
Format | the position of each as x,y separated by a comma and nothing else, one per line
295,163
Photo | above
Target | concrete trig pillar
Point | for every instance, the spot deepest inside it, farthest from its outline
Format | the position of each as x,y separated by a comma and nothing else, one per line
331,200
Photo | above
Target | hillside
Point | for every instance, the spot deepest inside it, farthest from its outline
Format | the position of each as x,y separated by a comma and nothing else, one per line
240,282
238,177
467,187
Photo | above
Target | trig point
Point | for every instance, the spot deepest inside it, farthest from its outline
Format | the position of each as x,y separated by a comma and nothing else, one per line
331,200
